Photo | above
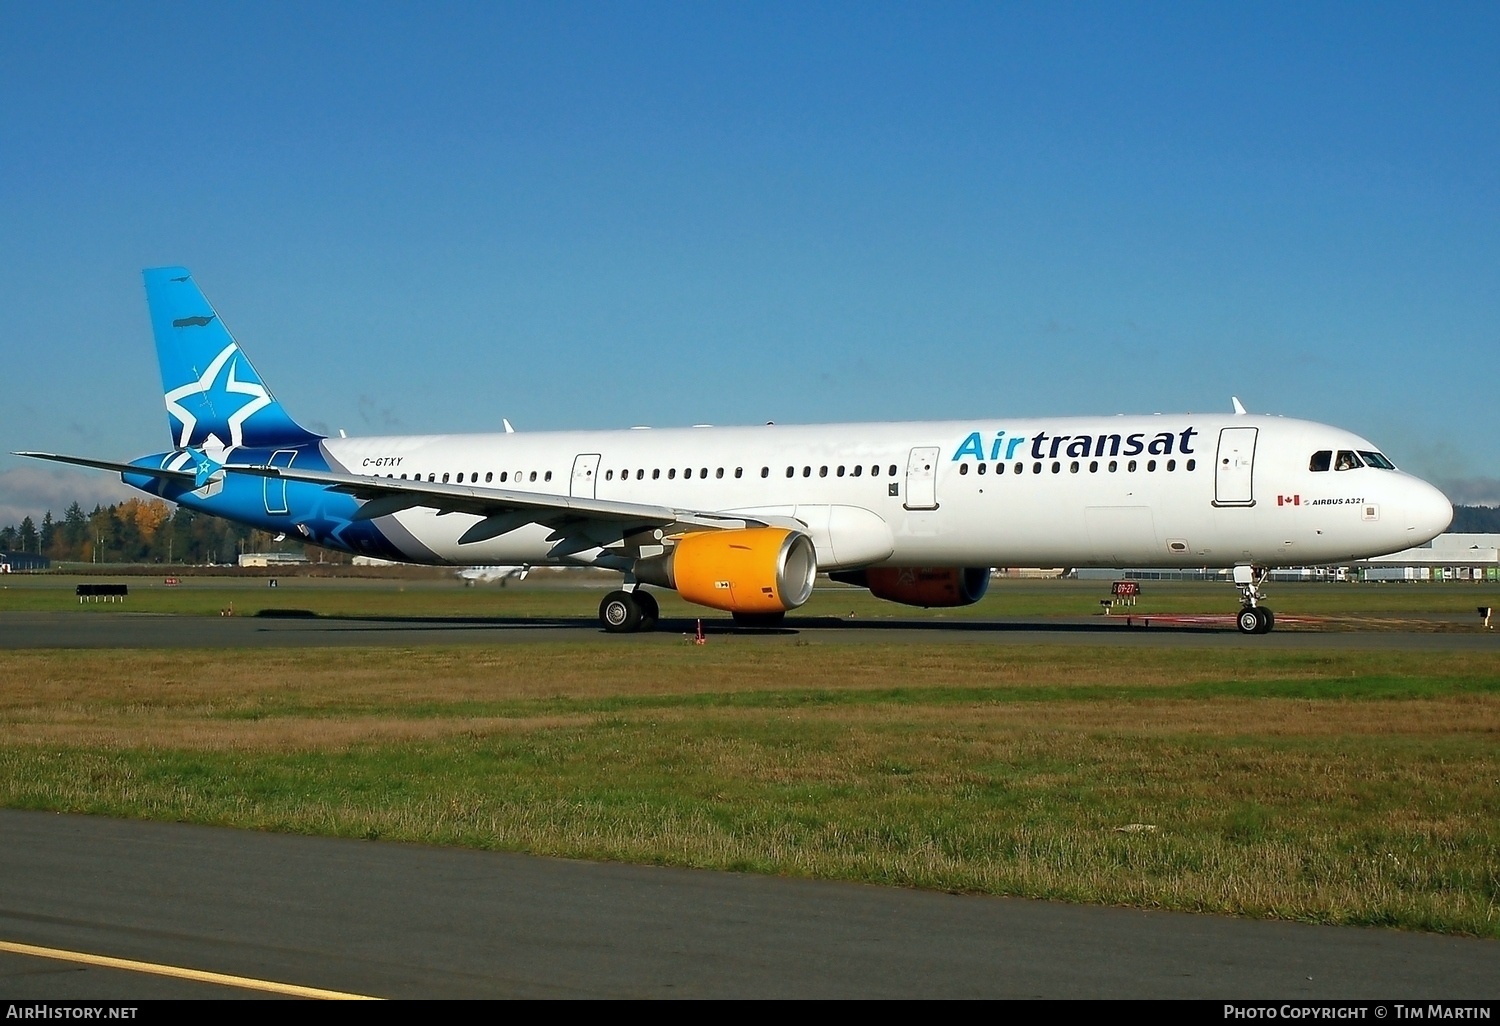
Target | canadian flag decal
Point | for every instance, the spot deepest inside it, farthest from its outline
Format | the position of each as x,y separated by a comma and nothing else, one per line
1288,500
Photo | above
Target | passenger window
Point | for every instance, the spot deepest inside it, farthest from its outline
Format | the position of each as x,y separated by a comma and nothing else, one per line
460,477
1320,460
1093,466
703,473
672,474
841,471
963,468
999,468
859,469
489,475
533,475
1130,466
1171,464
445,477
1057,466
1036,468
982,468
1191,465
739,472
719,473
1346,461
822,471
893,470
609,475
549,476
503,476
1073,469
1151,466
1114,465
807,471
656,474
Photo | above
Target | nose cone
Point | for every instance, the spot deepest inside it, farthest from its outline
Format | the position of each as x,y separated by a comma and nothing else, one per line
1428,511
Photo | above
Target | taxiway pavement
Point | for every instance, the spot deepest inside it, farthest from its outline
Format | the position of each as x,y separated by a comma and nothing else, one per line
402,920
154,630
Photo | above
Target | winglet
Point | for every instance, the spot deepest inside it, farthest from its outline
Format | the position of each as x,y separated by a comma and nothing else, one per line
1239,407
508,429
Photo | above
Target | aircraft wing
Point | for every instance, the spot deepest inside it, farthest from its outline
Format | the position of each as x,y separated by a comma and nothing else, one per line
505,509
578,523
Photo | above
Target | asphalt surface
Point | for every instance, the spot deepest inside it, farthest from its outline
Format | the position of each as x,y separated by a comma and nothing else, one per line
150,630
397,920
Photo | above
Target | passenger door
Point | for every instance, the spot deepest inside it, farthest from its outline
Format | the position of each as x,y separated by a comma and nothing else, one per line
274,488
1234,469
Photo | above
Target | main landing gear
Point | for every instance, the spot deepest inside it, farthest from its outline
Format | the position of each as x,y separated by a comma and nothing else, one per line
624,612
1254,618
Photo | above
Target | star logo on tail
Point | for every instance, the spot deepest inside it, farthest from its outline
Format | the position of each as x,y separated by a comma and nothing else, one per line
208,396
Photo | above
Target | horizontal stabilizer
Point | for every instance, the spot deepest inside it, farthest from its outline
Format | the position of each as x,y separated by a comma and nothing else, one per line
188,477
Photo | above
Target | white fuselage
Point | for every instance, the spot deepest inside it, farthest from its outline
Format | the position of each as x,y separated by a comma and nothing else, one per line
1180,490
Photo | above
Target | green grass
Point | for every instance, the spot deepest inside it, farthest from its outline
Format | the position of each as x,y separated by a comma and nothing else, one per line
1337,787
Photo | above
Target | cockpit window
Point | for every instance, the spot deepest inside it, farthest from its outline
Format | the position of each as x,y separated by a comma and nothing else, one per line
1321,460
1377,459
1347,461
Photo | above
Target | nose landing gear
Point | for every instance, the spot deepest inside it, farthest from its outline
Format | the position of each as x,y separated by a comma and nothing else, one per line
1254,618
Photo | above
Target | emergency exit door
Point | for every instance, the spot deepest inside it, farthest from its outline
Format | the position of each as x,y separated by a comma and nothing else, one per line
921,478
585,475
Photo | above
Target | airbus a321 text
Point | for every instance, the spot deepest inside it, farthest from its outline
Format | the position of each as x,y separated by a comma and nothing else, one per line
742,519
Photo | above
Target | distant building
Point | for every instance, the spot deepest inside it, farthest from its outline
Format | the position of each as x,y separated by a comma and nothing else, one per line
15,562
272,559
1448,557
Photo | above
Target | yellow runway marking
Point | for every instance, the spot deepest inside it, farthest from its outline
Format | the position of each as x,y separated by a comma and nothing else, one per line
199,975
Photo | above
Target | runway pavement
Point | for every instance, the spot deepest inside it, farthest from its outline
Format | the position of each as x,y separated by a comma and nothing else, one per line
396,920
149,630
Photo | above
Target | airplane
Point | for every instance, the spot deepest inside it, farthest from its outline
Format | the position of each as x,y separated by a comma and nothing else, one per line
503,574
742,519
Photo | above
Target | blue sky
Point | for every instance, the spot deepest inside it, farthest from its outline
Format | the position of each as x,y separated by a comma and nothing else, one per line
428,217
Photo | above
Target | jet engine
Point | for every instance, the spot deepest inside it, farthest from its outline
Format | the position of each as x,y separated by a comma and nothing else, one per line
750,570
926,586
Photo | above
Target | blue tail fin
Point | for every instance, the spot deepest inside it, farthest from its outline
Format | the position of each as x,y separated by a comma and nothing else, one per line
215,399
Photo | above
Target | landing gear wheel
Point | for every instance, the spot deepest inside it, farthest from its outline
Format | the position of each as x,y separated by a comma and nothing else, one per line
1255,620
650,611
760,620
620,613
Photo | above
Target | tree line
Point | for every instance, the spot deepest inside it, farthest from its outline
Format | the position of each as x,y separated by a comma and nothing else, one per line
144,531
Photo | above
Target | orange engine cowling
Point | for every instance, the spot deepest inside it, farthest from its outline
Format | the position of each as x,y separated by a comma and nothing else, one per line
928,586
751,570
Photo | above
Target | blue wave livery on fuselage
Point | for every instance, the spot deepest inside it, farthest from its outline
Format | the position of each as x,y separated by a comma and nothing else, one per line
743,518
